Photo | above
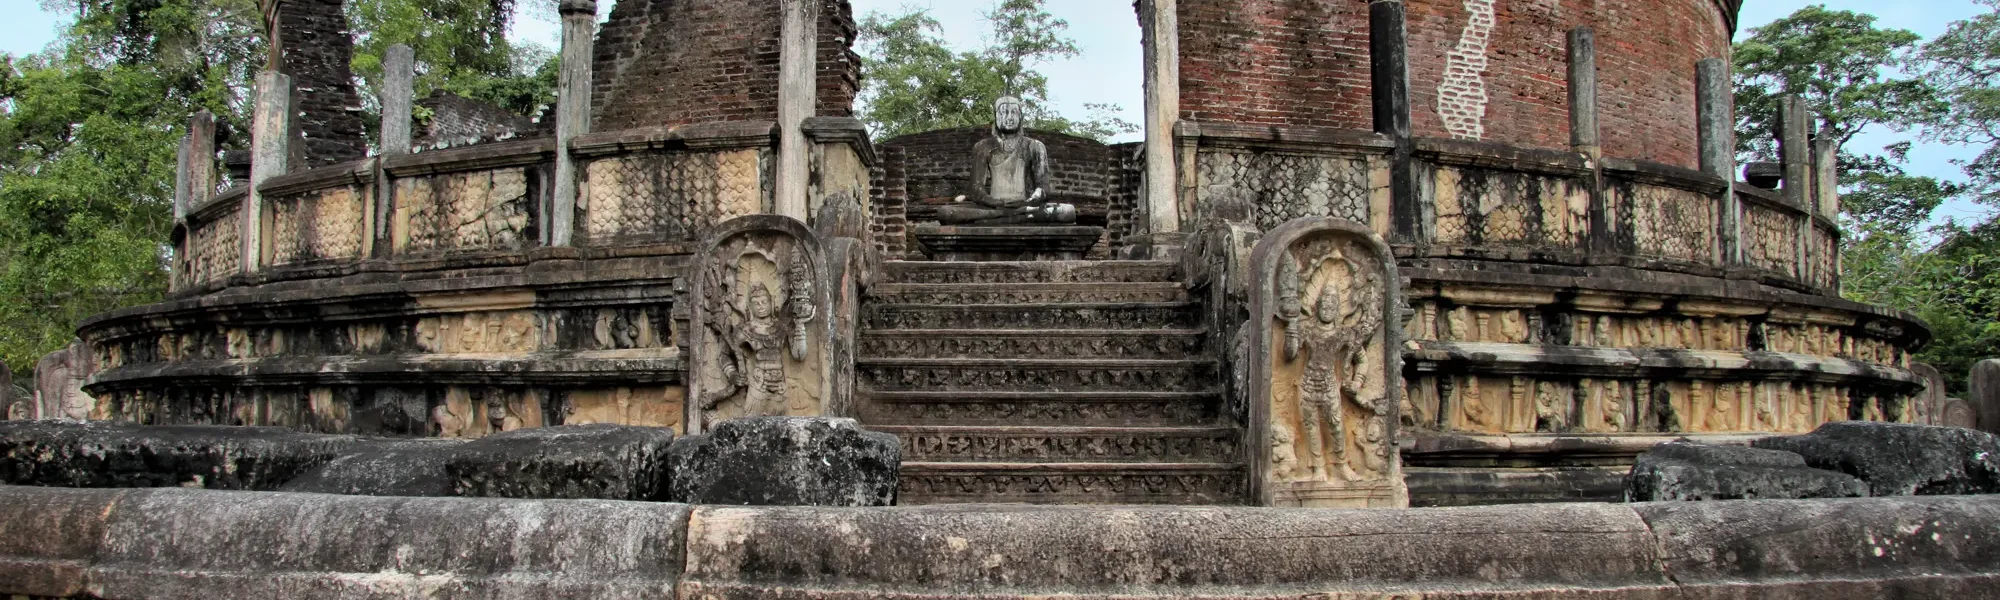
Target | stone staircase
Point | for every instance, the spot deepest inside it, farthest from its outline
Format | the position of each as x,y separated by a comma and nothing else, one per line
1046,382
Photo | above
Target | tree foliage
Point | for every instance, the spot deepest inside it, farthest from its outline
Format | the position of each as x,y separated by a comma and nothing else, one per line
90,129
1854,77
460,46
914,82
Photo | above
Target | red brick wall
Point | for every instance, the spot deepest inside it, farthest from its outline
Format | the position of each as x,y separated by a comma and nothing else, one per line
1305,63
671,62
1275,62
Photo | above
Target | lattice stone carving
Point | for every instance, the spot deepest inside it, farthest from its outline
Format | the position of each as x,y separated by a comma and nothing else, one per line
1771,238
1326,367
1824,255
1673,223
667,195
761,313
466,211
1495,208
317,225
1283,187
215,248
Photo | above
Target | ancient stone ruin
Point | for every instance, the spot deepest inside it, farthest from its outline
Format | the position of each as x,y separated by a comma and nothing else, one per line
1370,255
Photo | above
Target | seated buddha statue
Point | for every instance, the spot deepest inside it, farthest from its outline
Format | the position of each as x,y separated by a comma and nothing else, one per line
1010,178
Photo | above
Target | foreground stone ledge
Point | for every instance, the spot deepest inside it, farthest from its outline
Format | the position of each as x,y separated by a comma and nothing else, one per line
215,545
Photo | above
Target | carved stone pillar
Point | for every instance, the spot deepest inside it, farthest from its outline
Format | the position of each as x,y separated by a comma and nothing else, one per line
1325,368
1163,107
579,22
269,157
798,53
762,327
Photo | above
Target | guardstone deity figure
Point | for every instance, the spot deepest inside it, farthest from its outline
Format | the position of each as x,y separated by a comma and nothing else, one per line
1010,178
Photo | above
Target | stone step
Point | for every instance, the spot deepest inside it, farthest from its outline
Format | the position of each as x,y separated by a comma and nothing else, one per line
1053,271
1138,315
1071,483
960,443
1017,343
1028,293
1045,409
1031,375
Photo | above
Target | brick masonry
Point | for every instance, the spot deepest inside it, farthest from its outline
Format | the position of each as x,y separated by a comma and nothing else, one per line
1481,69
457,121
673,62
317,49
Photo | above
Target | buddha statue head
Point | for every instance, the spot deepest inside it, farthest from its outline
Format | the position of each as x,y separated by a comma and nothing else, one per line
1007,115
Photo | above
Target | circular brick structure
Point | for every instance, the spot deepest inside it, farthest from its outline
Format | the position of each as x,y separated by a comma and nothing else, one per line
1490,70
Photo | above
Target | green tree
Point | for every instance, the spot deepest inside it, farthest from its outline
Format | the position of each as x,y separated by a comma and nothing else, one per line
914,82
1849,73
460,46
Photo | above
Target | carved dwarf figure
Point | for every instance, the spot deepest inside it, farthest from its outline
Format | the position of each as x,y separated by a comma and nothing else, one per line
1010,178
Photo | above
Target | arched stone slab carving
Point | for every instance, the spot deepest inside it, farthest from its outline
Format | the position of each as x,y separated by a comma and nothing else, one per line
762,340
1325,368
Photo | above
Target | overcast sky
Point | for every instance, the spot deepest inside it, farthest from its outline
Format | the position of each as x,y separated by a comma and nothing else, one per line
1109,69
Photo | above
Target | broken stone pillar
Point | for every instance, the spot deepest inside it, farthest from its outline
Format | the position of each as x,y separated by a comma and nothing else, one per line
787,461
1715,116
1325,367
395,468
601,462
1389,71
1684,470
1901,460
579,23
68,454
1583,136
398,90
761,333
1826,177
1795,154
1985,395
270,156
1160,35
798,52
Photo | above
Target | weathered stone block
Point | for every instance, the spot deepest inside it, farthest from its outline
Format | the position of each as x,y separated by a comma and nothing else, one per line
606,462
1684,470
399,468
69,454
1901,460
1985,398
787,461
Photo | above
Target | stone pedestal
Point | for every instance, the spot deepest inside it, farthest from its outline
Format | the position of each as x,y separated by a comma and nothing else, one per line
1006,243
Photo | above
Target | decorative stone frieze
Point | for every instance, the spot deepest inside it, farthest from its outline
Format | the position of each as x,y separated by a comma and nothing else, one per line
1325,374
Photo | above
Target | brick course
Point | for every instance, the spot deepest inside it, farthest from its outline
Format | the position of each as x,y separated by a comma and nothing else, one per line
1305,63
673,62
316,47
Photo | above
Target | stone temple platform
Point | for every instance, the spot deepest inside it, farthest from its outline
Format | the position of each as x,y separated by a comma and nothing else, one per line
977,243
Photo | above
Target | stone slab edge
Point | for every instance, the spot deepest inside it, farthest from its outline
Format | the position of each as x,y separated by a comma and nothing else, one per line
172,543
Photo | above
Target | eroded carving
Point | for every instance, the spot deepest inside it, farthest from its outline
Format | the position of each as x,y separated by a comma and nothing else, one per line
761,314
1326,393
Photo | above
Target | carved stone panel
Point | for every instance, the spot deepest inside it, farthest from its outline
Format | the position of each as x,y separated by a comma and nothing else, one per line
318,225
1326,369
665,196
214,249
59,379
465,211
760,336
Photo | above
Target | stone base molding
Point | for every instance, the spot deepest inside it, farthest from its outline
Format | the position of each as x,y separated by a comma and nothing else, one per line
167,543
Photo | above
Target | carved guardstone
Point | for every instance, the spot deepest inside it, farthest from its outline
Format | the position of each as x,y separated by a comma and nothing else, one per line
761,341
1326,368
979,243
